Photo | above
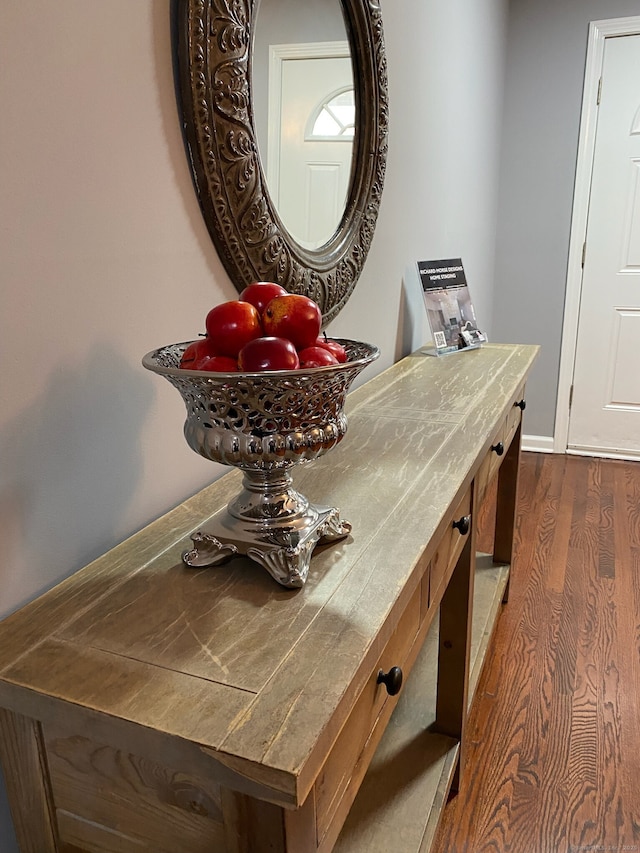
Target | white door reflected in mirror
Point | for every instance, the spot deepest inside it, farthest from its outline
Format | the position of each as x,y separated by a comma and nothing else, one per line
316,145
310,141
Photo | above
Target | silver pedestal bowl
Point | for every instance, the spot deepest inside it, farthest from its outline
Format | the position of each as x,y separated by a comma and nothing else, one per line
264,424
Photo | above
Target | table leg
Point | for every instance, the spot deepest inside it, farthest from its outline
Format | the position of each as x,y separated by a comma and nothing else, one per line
23,759
506,504
454,650
255,826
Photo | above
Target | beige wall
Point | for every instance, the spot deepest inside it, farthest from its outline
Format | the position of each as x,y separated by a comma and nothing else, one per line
103,255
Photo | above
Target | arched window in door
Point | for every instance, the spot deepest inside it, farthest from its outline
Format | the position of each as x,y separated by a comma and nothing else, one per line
333,119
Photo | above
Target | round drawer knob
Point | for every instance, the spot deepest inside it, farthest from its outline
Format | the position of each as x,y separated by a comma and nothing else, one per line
463,525
521,404
392,680
498,448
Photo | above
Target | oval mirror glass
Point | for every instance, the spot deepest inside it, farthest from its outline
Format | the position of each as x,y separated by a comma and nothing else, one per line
305,113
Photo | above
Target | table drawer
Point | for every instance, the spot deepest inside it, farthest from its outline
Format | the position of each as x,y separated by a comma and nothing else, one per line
490,464
503,437
513,418
337,774
448,551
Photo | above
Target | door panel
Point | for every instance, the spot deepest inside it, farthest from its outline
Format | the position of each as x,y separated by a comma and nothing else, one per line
313,174
624,380
605,412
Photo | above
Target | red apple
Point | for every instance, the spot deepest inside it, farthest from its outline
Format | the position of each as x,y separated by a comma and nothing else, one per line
294,317
316,357
334,347
260,293
195,351
268,353
216,364
231,325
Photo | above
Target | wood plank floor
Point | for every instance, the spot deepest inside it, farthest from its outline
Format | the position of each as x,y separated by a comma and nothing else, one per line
554,733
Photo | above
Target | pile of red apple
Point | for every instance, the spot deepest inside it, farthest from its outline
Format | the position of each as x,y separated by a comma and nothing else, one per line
266,328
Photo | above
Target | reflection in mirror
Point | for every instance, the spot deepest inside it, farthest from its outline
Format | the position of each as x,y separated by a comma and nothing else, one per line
305,113
335,117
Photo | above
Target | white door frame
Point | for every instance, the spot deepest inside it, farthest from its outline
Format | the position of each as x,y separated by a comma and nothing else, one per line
278,54
598,32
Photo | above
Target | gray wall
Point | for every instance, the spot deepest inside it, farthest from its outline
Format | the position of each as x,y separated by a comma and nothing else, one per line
546,54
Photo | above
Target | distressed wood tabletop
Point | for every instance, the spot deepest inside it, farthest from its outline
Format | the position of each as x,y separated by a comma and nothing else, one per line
258,678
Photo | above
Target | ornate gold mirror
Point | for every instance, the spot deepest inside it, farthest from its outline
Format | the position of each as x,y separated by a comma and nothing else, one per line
215,55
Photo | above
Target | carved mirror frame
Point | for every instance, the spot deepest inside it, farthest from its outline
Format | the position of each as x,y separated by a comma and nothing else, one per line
213,49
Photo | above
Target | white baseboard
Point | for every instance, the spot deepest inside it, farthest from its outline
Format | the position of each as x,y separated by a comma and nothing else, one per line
538,443
545,444
604,454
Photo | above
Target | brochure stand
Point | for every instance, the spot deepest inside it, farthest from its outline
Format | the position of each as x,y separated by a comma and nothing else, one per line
447,300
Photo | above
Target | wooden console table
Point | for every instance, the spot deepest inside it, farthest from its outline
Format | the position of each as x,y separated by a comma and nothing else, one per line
150,707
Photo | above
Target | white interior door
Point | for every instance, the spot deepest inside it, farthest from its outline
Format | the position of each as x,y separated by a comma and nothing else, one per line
605,410
312,174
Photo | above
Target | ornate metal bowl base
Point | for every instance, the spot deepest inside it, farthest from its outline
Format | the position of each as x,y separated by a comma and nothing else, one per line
265,424
270,523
